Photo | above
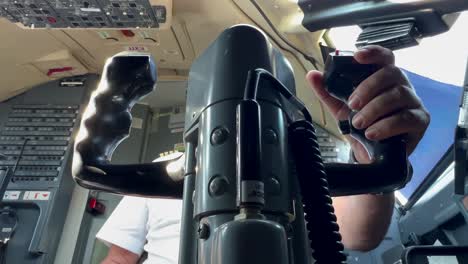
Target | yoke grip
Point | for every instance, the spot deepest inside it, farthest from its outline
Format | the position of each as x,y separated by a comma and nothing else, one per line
390,169
127,77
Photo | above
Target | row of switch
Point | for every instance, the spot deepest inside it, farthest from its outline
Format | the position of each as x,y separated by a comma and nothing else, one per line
35,158
35,152
42,129
39,158
46,107
36,142
41,124
36,133
36,173
33,147
21,178
39,119
42,115
31,163
44,168
45,111
16,138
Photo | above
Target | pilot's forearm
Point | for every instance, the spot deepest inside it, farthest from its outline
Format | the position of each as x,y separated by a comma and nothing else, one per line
363,219
119,255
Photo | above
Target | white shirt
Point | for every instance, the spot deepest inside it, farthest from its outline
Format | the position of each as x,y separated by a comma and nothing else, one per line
152,225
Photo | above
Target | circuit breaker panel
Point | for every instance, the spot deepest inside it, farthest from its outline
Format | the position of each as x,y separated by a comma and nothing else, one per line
36,133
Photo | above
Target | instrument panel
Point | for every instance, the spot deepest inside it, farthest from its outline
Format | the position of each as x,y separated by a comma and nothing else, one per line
84,13
37,136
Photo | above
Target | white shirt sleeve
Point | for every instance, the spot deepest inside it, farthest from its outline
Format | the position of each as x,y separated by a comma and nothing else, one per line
127,225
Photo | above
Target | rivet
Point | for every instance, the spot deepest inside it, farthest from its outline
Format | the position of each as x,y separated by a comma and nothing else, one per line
270,136
203,231
219,136
218,185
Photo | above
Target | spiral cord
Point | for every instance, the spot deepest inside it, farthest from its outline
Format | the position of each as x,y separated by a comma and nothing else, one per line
323,231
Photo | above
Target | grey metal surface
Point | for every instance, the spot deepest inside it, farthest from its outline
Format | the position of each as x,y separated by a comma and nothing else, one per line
276,170
331,14
28,217
242,48
216,160
216,86
205,245
219,160
216,225
248,241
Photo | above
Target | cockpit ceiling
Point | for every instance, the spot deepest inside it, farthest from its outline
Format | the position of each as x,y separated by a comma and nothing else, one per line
186,30
32,56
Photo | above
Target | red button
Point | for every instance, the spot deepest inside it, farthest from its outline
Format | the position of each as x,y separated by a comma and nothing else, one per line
127,33
52,20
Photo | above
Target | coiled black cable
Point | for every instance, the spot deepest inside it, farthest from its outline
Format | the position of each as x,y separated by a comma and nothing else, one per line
323,231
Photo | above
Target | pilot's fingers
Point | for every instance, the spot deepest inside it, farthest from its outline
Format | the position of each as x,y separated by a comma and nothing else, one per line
374,54
338,109
390,101
410,122
385,78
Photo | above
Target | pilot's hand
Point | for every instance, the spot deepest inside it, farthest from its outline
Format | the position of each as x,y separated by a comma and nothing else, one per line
386,102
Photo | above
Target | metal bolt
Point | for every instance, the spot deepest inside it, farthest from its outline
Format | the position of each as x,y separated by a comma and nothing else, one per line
219,135
270,136
203,231
218,185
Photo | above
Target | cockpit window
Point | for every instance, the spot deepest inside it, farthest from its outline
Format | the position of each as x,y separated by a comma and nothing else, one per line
441,58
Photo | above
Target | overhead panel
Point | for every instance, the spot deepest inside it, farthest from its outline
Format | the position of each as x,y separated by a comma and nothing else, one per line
86,13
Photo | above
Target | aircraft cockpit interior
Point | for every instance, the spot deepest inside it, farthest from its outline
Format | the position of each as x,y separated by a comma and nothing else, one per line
233,131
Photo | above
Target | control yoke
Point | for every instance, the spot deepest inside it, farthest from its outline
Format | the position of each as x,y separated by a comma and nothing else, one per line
127,77
390,168
254,176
